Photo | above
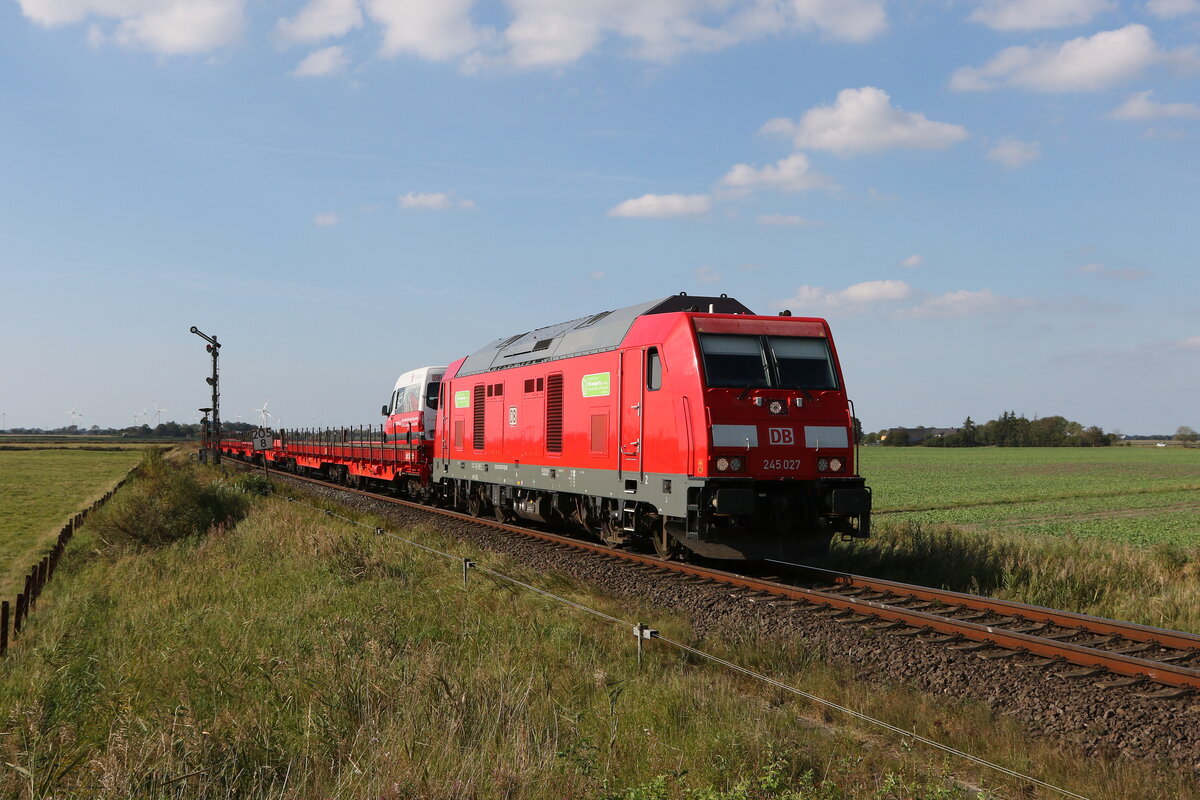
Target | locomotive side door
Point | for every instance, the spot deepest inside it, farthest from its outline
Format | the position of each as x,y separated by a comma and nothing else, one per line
632,426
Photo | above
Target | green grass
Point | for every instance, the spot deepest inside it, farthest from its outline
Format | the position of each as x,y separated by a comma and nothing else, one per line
41,489
297,656
1123,494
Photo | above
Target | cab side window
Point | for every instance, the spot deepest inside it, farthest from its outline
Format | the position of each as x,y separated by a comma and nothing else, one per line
653,370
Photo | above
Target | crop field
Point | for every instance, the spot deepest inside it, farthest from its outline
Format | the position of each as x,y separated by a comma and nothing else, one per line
40,488
1127,494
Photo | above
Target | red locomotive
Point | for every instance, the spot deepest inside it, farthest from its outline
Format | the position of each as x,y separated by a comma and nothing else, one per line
687,423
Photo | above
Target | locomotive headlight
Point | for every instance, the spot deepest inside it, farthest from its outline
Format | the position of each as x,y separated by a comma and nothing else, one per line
822,465
722,464
776,407
735,464
836,465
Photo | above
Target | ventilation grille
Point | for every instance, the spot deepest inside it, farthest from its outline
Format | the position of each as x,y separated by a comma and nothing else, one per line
554,413
542,344
478,408
592,320
509,341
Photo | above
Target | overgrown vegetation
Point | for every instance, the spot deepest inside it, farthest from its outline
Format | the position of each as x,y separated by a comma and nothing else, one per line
166,503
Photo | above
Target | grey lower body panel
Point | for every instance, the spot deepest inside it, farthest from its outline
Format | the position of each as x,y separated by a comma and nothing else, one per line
716,517
665,491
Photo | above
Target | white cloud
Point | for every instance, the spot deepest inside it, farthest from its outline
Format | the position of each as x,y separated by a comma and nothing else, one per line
852,20
793,220
437,31
1028,15
1014,153
326,61
663,205
325,220
527,33
320,19
965,303
791,174
184,27
863,120
858,297
1140,106
171,27
1191,343
707,274
1101,271
1083,64
599,276
872,295
433,201
915,260
1169,9
552,32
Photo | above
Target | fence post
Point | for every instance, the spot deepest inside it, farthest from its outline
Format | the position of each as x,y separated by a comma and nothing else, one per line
18,617
468,565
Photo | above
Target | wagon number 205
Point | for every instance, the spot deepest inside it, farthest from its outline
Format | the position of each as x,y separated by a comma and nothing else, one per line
782,463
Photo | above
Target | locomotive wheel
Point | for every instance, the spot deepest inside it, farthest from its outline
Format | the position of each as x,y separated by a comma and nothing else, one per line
667,547
477,506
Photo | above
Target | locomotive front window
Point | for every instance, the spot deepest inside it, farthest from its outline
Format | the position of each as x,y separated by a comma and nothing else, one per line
431,395
802,363
734,361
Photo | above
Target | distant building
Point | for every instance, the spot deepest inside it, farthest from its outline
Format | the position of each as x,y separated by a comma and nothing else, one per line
918,435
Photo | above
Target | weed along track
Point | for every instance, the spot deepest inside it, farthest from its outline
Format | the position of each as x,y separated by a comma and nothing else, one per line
1101,686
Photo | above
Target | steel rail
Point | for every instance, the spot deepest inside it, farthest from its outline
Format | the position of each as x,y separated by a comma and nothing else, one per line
1179,640
1081,655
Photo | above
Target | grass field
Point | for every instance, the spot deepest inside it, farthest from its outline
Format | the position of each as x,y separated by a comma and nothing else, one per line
41,488
1123,494
296,656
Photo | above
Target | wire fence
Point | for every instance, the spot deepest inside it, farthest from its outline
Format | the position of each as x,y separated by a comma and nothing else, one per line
14,616
644,633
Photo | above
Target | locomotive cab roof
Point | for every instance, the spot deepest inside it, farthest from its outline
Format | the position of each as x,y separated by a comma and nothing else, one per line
591,334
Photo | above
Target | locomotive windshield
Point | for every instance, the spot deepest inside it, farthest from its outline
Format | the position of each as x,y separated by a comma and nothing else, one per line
780,362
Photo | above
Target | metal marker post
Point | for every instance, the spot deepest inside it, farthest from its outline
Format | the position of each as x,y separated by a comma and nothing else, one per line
468,565
642,632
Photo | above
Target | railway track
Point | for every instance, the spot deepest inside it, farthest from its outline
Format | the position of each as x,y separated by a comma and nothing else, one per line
1076,646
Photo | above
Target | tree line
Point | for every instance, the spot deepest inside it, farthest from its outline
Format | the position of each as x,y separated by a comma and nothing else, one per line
1009,430
164,430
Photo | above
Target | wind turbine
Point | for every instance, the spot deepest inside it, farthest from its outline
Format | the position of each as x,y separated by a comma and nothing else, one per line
75,415
158,412
263,414
3,417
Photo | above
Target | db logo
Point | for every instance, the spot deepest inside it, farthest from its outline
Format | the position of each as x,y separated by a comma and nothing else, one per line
781,436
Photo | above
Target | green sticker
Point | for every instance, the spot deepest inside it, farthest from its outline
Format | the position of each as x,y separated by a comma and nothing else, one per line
596,385
462,399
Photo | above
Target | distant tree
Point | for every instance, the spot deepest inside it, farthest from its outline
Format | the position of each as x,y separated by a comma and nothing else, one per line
1185,433
897,437
968,434
858,431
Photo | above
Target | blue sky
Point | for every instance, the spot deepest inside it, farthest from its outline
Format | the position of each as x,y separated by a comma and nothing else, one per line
994,203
